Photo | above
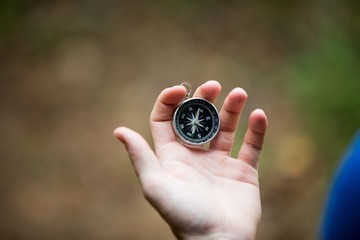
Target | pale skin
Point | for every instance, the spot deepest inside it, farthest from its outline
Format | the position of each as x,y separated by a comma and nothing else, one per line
201,193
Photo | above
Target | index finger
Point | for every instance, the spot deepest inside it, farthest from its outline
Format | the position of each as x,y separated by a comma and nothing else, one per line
162,113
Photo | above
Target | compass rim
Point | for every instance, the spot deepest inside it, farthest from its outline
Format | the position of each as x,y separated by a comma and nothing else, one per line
214,132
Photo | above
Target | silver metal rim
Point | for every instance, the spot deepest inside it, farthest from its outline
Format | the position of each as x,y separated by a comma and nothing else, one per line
185,141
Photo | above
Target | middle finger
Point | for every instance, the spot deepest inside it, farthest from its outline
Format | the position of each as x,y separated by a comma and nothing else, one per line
209,90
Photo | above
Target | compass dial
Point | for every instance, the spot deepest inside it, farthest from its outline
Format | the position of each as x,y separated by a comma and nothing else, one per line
196,121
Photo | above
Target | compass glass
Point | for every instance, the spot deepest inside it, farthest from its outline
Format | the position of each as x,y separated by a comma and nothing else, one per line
196,121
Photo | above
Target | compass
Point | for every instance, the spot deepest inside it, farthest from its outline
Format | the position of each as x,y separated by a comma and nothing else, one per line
196,121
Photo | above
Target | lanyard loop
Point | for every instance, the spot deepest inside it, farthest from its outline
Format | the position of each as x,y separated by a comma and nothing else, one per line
188,88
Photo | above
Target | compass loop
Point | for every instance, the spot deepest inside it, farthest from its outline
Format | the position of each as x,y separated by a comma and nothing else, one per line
188,88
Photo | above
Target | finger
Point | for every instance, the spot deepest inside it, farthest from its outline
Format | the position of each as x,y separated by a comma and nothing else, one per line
229,118
141,155
254,138
209,90
162,113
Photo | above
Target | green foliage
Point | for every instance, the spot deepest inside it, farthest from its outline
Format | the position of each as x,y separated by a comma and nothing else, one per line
325,82
10,12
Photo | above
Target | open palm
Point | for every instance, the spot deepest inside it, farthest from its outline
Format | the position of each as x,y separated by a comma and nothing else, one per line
201,193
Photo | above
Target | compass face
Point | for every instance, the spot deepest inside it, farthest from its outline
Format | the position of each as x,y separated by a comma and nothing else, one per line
196,121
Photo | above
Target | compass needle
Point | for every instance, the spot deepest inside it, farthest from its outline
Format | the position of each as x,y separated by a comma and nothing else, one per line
197,115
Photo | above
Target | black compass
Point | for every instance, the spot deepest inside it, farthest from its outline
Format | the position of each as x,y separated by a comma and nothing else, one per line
196,121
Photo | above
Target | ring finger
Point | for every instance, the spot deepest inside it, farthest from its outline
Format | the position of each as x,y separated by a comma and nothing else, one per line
229,118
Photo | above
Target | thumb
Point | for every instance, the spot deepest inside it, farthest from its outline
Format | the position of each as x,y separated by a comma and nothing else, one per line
141,155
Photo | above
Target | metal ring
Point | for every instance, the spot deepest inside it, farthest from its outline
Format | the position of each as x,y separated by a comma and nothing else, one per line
188,88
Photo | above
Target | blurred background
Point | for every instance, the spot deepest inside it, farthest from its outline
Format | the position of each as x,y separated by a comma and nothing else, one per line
72,71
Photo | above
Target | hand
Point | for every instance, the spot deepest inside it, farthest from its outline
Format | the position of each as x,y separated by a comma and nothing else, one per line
201,193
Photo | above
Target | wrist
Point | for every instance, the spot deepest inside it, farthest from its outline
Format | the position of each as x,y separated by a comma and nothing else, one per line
215,237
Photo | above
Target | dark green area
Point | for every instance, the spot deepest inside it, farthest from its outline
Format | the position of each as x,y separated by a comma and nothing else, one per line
325,83
10,13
